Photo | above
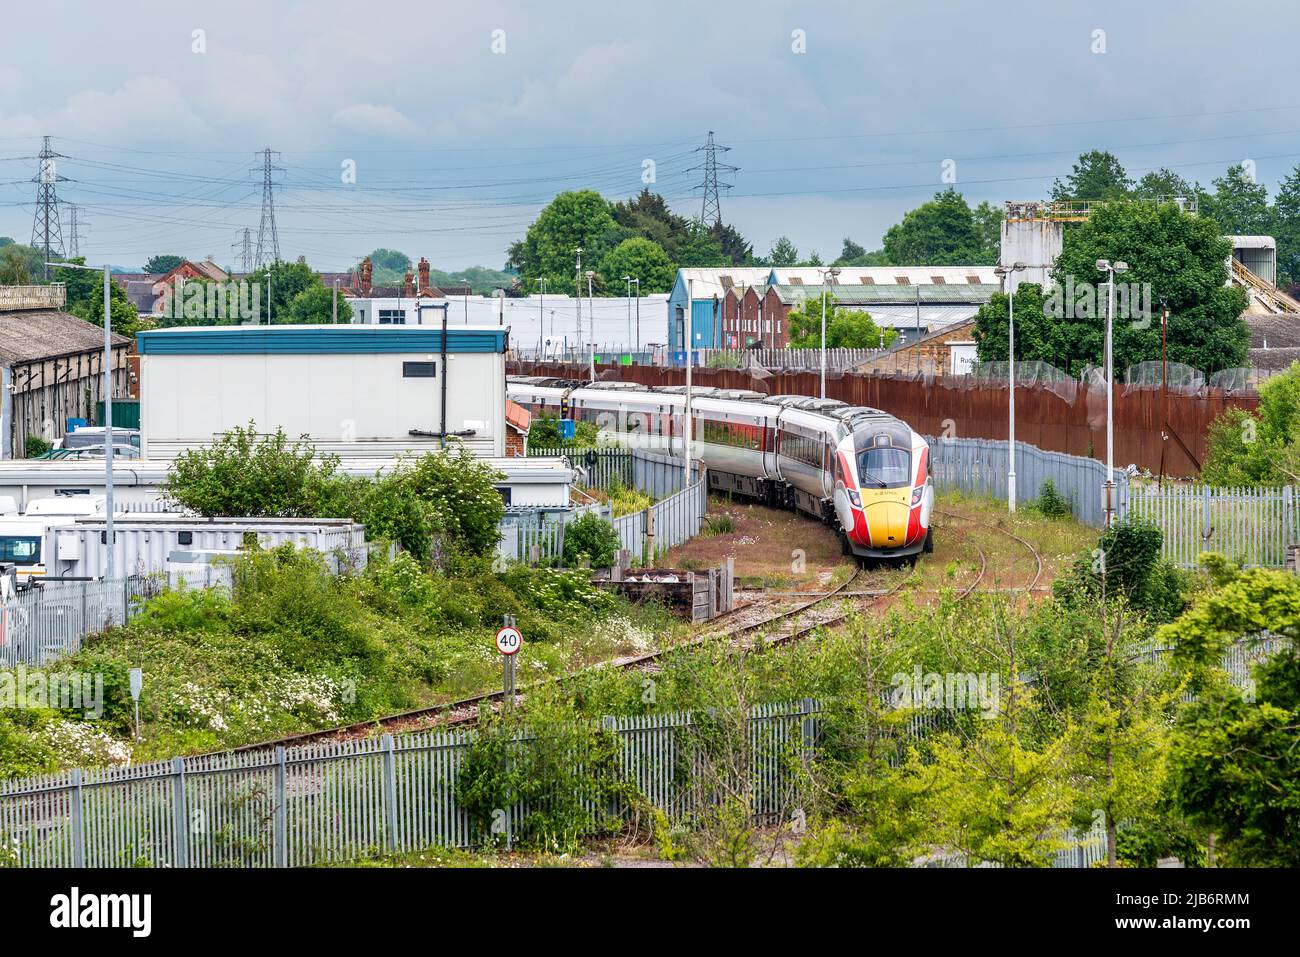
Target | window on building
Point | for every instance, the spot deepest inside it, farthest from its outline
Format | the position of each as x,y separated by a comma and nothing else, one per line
419,370
867,280
392,317
937,280
973,280
902,280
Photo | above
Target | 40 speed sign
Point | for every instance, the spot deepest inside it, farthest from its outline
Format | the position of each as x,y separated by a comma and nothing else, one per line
508,640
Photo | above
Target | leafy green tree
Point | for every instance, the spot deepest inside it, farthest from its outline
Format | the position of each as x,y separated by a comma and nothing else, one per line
988,226
1127,566
1286,227
1098,174
85,299
163,263
590,537
699,248
1238,204
1234,760
389,267
1206,330
315,304
1036,332
5,241
941,232
281,283
783,253
1260,448
845,328
849,252
734,246
641,259
549,248
13,267
1163,184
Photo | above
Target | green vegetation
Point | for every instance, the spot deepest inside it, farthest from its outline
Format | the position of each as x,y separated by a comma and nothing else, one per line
591,539
1051,503
1262,447
845,328
544,433
441,502
1205,326
36,446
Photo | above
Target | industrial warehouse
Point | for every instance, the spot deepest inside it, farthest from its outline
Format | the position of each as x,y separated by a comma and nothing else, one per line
639,444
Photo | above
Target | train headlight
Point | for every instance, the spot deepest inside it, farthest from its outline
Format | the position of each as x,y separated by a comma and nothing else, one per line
854,497
916,495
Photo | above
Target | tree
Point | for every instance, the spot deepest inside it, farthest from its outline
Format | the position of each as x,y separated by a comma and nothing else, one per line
941,232
1036,332
640,259
1164,184
845,328
1098,174
1286,227
849,251
734,246
315,304
1260,448
389,267
160,264
282,282
700,248
549,248
783,253
1234,761
13,267
85,299
988,227
1238,204
592,538
1205,326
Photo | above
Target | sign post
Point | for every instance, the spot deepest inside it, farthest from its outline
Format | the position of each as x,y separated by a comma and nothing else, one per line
137,684
509,641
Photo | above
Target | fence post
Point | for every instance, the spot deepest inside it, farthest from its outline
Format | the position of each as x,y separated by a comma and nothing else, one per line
808,726
180,815
390,790
280,831
78,825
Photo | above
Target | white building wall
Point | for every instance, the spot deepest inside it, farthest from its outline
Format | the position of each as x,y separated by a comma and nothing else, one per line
347,403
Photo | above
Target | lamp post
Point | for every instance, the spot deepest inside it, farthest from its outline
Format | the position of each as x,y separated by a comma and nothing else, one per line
628,280
541,314
591,312
1110,268
637,283
108,412
833,271
1006,273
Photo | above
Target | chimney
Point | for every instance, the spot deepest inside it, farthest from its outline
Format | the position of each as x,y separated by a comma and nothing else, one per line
424,275
367,269
408,284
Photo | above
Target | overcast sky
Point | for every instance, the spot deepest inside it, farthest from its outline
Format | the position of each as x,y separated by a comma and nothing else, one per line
457,144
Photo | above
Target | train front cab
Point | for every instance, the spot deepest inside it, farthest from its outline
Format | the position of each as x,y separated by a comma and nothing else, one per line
885,501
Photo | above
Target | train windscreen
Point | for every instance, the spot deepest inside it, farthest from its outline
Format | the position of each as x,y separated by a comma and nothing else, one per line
884,457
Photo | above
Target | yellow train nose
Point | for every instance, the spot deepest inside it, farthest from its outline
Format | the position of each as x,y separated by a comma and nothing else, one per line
888,524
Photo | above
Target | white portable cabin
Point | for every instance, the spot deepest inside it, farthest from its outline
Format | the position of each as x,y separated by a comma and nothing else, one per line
143,542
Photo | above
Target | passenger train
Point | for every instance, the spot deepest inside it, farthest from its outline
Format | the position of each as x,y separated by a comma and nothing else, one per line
859,469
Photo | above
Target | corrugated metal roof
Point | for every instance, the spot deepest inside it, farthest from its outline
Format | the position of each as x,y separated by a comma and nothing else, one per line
36,334
710,282
888,275
870,295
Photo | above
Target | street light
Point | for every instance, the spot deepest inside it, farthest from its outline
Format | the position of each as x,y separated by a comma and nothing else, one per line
108,412
541,315
833,271
1110,268
629,280
1006,272
591,311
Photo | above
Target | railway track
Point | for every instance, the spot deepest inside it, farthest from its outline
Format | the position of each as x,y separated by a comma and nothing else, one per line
791,624
1038,559
804,619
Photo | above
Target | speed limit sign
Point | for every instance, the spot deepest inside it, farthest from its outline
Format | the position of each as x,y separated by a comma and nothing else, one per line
509,640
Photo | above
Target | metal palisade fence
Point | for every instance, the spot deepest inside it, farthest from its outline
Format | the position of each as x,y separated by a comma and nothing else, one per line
979,467
53,618
1251,525
342,801
674,517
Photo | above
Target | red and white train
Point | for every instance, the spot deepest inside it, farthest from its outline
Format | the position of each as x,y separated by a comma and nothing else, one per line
860,469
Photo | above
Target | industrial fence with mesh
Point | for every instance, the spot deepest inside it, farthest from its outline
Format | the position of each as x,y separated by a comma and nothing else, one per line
52,619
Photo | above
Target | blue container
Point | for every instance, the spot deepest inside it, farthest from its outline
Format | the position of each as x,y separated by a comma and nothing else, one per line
567,430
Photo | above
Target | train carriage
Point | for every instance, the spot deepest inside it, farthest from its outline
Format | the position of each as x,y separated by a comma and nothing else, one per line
861,470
